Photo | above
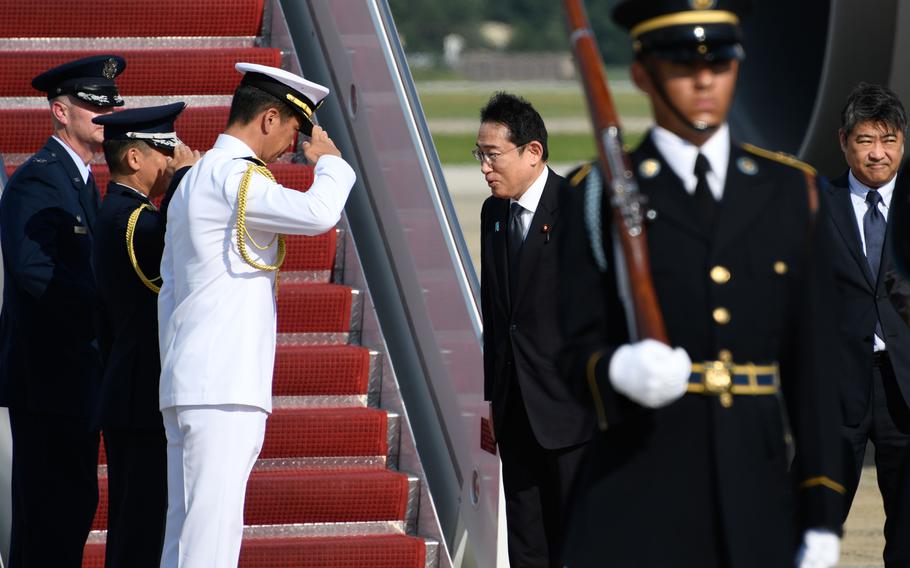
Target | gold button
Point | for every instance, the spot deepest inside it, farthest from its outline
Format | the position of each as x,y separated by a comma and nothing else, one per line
720,274
725,355
721,315
780,267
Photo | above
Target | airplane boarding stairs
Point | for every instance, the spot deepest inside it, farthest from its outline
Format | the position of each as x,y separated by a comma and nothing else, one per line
345,477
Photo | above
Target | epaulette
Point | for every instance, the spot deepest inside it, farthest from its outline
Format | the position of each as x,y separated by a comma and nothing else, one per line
580,175
781,158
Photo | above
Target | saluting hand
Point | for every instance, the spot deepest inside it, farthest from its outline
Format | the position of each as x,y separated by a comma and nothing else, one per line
319,145
183,157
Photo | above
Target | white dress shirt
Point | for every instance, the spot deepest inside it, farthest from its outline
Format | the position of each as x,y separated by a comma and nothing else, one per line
216,313
84,170
858,193
681,154
529,201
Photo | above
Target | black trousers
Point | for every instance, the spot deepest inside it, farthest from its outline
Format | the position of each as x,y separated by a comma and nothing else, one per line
137,486
887,425
54,489
538,484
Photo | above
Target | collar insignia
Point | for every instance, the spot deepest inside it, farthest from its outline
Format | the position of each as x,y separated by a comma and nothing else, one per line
649,168
747,166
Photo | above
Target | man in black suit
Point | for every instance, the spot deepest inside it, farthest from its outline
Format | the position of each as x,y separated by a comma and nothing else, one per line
145,157
50,366
540,424
692,467
875,388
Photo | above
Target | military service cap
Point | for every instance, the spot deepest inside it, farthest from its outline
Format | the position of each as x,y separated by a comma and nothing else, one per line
90,79
302,96
154,125
683,30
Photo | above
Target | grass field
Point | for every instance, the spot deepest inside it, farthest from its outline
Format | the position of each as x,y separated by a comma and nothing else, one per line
552,104
562,105
569,147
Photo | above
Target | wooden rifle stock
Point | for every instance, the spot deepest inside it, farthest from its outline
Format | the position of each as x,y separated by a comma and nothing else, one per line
625,199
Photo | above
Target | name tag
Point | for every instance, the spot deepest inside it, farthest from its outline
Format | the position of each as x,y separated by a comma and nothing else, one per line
80,230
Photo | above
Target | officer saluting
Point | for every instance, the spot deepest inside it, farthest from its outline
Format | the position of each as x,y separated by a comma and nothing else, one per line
216,309
692,468
50,366
143,153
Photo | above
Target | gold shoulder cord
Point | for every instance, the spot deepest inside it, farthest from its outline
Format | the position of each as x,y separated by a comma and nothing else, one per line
808,171
243,234
130,231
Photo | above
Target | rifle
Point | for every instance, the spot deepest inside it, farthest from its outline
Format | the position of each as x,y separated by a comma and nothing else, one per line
625,198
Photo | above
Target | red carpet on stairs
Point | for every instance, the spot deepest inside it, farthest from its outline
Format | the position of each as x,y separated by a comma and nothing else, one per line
326,432
116,18
379,551
311,496
384,551
25,130
159,72
320,370
307,308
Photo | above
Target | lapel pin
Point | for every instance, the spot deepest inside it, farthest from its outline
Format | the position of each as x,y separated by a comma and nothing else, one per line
496,227
747,166
546,231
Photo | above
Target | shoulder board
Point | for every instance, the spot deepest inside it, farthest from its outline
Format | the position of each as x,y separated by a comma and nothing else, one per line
780,157
580,175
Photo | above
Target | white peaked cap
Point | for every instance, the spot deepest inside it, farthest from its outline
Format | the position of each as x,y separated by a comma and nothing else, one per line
301,95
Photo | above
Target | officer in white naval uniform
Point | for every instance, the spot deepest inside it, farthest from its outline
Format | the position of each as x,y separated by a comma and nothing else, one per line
216,308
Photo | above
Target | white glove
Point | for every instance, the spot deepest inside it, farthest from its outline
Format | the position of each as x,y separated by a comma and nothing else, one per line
650,373
820,549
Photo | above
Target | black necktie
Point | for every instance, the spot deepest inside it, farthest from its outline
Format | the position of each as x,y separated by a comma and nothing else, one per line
516,237
704,199
94,191
874,231
88,197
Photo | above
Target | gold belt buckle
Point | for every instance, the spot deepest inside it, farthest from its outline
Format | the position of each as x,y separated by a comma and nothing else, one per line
719,381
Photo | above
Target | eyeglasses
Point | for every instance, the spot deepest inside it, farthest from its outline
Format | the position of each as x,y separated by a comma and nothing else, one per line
490,157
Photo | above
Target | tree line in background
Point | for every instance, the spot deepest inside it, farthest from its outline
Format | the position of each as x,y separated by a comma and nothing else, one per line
534,25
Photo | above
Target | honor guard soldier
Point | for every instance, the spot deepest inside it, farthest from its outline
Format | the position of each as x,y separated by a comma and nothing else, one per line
216,309
145,158
692,467
50,366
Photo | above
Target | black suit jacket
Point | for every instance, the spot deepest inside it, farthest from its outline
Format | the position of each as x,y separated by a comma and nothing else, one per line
865,297
707,469
49,358
128,328
521,337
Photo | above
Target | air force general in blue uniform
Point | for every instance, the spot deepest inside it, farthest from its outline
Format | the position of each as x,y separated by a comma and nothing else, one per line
50,366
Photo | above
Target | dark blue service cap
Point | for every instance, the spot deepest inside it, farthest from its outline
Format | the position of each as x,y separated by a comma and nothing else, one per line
90,79
154,125
684,30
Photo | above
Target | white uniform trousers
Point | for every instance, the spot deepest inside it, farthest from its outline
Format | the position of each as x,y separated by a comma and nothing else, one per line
211,450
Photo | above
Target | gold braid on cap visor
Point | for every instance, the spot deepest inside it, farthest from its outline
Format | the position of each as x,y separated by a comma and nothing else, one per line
307,111
692,17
